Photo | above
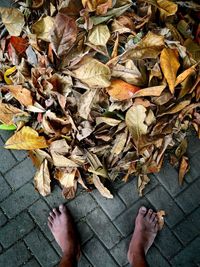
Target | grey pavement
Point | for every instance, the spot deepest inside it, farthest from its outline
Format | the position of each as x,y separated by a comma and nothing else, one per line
105,226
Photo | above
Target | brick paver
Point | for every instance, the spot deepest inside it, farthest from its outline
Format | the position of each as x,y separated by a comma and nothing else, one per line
104,225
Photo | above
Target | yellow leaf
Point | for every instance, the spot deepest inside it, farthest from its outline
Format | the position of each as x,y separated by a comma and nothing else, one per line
43,27
27,139
93,73
7,73
42,179
99,35
13,19
23,95
167,8
169,64
121,90
134,119
100,6
38,156
181,77
8,112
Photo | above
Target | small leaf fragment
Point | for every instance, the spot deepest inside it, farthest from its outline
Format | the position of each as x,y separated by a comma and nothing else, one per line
183,169
160,216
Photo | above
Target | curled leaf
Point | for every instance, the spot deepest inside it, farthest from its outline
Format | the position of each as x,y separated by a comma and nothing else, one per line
42,179
183,169
101,188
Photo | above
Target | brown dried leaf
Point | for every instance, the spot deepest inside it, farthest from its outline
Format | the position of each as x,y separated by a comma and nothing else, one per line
63,34
23,95
42,179
8,112
160,215
150,91
43,27
183,169
101,188
143,180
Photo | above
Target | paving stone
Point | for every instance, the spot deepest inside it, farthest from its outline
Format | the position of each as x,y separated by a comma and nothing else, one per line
57,247
189,256
4,188
160,199
125,222
5,135
6,159
167,243
32,263
119,252
168,177
15,256
193,145
40,212
188,229
20,174
103,228
190,199
193,172
85,232
3,218
19,226
129,192
81,205
84,262
154,258
112,207
41,249
19,200
55,198
98,255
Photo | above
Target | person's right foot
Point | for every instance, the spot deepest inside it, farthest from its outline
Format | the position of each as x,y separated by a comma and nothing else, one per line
146,228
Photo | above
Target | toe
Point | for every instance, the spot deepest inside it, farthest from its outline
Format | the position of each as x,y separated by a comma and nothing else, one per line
56,212
142,211
153,216
50,225
149,213
50,219
52,215
62,208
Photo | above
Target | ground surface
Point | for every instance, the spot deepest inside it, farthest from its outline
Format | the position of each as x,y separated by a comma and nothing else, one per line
105,226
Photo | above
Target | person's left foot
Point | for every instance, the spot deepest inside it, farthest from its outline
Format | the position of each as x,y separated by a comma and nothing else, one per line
62,227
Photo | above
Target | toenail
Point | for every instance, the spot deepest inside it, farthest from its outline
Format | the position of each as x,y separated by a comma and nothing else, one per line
143,209
150,210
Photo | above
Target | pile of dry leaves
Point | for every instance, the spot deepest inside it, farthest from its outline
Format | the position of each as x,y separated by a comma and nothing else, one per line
95,88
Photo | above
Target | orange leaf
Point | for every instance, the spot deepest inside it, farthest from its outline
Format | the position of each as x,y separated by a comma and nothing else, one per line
20,44
121,90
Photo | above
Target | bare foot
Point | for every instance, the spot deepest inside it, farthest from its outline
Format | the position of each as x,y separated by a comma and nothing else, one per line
62,227
146,228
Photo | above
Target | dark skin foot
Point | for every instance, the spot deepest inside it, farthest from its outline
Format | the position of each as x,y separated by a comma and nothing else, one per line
62,227
146,228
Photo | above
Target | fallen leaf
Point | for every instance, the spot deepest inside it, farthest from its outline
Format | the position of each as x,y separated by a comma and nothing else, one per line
62,161
42,179
180,106
183,169
27,139
20,44
181,77
8,112
43,27
167,8
63,34
7,73
150,91
169,64
134,119
101,188
85,103
67,179
101,6
13,19
121,90
149,47
38,156
160,216
93,73
23,95
99,35
143,180
109,121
